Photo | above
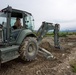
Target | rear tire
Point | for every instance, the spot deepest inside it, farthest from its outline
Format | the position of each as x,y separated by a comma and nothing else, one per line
28,49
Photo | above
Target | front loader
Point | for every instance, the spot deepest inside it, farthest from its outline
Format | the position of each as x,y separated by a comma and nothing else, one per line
22,42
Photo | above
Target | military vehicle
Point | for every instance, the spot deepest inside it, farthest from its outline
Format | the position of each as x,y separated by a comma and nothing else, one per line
22,42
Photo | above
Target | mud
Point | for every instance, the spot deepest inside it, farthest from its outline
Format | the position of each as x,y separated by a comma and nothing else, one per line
41,66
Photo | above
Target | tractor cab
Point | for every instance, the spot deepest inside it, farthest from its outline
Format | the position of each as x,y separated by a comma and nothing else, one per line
8,17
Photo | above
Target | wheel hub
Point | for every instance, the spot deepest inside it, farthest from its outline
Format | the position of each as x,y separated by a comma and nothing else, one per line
31,49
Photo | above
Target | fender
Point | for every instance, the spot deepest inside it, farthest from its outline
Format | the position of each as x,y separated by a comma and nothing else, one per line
23,34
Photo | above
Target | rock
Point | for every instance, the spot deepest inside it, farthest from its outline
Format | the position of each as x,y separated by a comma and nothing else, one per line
63,55
68,67
21,70
38,72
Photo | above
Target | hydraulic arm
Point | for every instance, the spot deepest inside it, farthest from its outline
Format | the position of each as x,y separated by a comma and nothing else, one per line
45,27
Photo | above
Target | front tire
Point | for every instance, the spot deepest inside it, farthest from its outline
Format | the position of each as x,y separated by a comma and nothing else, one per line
28,49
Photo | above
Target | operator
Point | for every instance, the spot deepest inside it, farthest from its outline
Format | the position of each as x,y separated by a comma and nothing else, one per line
17,24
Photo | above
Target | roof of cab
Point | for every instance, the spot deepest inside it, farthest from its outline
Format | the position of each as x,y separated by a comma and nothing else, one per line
10,9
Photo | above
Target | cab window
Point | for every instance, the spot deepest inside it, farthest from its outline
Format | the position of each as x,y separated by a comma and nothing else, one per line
29,22
3,19
13,21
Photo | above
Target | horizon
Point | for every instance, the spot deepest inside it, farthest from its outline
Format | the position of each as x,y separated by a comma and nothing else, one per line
62,12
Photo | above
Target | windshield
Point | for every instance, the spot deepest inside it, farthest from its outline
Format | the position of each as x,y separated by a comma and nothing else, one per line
3,19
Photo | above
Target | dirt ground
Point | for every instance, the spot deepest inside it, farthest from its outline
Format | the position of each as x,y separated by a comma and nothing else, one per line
41,66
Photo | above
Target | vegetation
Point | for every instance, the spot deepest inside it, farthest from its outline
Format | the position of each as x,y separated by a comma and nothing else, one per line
73,65
61,34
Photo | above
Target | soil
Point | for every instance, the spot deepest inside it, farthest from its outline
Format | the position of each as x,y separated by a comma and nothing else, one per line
42,66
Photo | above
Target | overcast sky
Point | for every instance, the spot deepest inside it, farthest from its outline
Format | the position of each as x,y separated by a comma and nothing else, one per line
55,11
